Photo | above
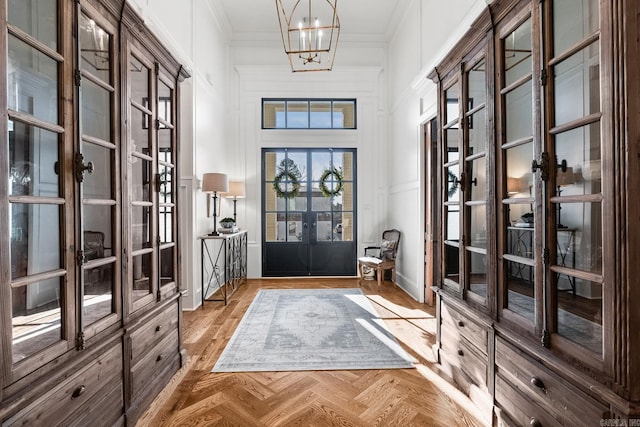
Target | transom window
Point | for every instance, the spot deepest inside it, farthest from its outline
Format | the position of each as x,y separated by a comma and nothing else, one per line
312,113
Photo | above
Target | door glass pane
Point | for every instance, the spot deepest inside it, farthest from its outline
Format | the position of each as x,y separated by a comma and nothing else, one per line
477,132
324,227
141,227
478,176
580,241
297,115
452,111
452,136
452,231
36,18
520,297
33,160
478,226
36,317
271,222
579,315
97,185
165,143
293,232
167,266
97,222
96,111
519,114
574,20
166,193
580,150
478,273
98,293
165,223
165,98
95,45
139,82
343,227
142,265
320,114
140,131
517,53
577,85
451,262
477,85
32,81
520,241
519,177
35,239
140,179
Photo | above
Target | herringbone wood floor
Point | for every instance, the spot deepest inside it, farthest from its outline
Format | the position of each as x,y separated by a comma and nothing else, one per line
395,397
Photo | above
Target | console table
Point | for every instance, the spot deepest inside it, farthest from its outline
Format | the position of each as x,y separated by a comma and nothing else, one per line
223,264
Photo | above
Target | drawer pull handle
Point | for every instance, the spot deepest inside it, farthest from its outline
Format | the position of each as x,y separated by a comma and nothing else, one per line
460,353
159,358
538,383
78,392
460,323
535,423
158,328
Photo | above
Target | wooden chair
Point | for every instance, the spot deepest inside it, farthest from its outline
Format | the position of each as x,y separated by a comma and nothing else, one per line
381,258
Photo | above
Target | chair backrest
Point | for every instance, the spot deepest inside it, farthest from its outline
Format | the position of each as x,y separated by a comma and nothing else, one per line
93,244
390,243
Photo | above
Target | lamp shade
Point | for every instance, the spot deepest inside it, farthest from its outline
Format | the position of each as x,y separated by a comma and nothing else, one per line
215,183
566,177
236,190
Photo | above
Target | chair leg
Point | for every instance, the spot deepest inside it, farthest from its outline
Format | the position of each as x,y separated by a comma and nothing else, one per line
379,274
360,274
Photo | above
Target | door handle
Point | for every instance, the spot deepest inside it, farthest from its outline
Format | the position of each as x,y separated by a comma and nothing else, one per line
304,225
81,168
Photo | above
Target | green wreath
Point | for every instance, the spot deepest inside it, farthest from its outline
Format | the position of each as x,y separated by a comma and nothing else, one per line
337,178
286,185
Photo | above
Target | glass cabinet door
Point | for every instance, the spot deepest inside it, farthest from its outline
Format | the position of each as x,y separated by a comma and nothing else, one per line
37,270
476,196
97,165
143,258
575,203
520,289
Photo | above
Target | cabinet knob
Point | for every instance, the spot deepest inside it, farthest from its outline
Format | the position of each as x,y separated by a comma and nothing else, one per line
538,383
460,353
159,358
158,328
78,392
460,323
535,423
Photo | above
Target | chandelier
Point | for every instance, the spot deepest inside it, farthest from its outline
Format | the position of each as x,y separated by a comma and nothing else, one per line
309,35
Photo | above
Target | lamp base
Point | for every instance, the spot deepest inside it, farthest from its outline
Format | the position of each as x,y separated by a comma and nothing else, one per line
214,233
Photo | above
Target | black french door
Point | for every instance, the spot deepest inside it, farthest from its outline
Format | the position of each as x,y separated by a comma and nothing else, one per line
309,211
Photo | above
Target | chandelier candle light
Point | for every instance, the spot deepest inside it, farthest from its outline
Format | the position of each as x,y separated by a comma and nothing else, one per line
310,35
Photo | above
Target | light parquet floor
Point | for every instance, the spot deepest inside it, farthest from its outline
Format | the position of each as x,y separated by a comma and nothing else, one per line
394,397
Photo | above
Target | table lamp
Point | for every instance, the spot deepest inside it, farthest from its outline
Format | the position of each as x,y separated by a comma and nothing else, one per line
236,191
215,183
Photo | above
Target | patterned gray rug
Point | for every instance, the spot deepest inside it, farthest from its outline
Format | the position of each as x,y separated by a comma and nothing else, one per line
310,330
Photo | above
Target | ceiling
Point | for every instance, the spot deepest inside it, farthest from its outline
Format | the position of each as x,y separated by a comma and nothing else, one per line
360,20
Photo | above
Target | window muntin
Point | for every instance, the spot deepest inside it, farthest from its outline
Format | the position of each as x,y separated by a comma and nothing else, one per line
308,114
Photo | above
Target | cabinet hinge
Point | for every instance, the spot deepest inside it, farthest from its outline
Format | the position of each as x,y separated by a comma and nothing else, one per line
158,182
545,256
77,77
543,165
81,259
157,124
80,341
543,78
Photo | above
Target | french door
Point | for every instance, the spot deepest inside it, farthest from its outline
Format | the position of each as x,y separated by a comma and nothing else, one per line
308,207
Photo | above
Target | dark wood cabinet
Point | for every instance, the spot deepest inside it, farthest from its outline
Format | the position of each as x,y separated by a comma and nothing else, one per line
537,239
90,304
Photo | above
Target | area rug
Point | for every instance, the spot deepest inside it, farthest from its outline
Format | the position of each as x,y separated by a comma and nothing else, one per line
309,330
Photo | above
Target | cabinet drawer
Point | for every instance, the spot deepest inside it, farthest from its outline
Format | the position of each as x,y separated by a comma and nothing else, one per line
520,409
72,393
548,388
151,333
463,356
153,362
462,325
